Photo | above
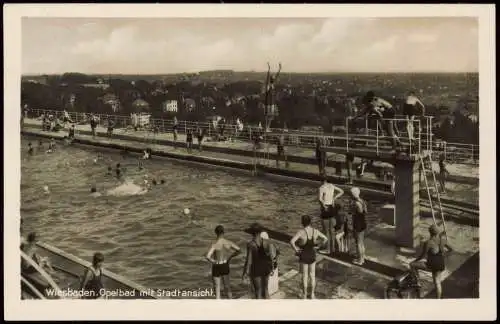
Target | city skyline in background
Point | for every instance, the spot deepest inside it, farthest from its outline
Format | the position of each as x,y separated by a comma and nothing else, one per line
303,45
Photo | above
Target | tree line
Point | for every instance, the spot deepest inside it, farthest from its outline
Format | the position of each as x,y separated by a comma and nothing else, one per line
302,101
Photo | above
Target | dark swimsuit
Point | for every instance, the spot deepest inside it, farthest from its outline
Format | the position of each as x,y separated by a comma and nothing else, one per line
435,261
260,266
442,168
219,270
94,285
359,220
308,254
328,212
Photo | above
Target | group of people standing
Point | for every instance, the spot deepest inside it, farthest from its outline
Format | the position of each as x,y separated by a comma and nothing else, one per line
261,262
262,255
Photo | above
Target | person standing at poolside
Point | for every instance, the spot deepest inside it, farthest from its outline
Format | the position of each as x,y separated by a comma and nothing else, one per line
358,212
200,133
189,141
433,251
219,255
349,160
307,253
443,173
280,150
259,263
175,126
320,157
328,194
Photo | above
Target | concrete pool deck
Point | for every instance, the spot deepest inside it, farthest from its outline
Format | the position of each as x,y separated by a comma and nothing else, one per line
333,278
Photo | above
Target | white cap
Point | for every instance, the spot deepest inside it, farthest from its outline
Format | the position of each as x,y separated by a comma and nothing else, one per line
355,192
186,211
264,236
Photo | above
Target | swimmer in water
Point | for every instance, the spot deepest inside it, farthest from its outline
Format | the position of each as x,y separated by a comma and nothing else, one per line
94,192
162,181
110,171
187,214
154,182
219,255
118,171
147,186
146,154
30,149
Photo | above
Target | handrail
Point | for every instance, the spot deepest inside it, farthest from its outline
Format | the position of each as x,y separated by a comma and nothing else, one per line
299,138
40,270
86,264
32,288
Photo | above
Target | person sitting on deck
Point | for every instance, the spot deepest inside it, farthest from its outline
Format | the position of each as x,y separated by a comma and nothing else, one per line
66,117
92,282
377,108
29,247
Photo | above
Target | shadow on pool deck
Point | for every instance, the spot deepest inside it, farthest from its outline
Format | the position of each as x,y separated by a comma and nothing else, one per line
463,283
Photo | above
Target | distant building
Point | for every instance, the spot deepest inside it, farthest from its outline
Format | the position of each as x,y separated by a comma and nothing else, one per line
140,106
142,114
170,106
103,86
111,100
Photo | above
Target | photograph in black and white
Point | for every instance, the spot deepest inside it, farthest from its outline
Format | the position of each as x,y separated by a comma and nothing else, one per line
249,158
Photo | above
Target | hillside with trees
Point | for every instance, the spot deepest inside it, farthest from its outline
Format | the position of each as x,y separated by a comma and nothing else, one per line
303,99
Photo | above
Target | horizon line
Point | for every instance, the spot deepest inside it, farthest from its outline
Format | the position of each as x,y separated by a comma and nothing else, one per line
252,71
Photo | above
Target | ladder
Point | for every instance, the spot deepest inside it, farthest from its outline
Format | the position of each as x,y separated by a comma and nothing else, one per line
428,158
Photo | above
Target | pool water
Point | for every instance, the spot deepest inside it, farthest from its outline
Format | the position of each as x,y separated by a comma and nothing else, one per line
145,237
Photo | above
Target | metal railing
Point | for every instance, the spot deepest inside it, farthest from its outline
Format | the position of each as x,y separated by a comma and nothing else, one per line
373,137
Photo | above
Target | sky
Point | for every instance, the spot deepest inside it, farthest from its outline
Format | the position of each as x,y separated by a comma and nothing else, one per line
176,45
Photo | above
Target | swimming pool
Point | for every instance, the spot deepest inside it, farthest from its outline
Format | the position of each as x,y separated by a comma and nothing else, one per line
145,238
